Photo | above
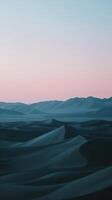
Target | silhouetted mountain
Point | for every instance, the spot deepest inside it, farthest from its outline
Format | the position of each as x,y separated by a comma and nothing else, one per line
20,107
74,105
105,111
9,112
79,107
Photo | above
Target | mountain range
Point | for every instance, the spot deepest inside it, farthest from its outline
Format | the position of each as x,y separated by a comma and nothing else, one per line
90,106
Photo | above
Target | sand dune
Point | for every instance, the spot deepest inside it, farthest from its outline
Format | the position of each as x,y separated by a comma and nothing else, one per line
95,182
52,137
55,160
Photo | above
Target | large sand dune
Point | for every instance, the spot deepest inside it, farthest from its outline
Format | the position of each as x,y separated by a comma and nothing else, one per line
53,160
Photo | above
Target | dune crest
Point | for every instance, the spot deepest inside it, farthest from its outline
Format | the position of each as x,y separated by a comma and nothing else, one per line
55,160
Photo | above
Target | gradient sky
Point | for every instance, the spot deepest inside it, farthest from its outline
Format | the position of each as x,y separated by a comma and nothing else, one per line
55,49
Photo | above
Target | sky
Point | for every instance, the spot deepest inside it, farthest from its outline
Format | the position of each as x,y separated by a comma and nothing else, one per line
55,49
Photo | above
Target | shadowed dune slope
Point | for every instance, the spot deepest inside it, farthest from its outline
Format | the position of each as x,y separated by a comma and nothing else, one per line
54,160
86,185
52,137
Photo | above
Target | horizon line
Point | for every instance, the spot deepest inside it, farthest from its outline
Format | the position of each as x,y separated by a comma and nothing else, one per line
61,100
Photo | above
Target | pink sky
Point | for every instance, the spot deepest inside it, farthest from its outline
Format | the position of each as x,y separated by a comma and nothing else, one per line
55,51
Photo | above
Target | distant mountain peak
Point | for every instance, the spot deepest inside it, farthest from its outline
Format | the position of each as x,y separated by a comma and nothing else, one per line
85,105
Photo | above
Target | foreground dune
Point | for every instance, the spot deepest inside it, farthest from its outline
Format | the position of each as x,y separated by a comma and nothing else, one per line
68,162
